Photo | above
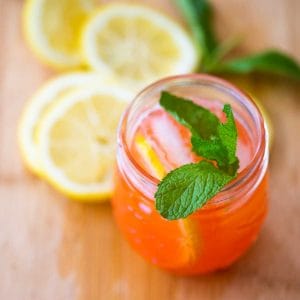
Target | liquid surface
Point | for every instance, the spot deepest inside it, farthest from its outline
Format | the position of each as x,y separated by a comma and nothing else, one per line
209,239
171,141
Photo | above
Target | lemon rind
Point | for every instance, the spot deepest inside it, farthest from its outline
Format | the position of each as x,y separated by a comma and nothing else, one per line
52,174
43,96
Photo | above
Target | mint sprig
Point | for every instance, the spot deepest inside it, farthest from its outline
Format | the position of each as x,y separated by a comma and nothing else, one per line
186,189
189,187
198,15
272,62
210,139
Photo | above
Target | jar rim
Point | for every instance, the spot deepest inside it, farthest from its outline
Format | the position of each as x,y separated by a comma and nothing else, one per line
261,150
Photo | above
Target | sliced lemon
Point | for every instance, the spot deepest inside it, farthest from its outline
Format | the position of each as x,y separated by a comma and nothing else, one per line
76,142
150,157
52,29
37,106
136,44
189,232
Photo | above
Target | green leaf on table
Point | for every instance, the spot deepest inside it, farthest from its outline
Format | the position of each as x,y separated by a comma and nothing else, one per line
198,14
222,51
188,188
272,62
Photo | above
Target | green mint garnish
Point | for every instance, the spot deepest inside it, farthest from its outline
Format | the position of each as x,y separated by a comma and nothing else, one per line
198,14
189,187
269,62
210,139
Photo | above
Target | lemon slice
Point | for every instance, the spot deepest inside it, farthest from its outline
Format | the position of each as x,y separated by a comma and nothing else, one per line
137,44
150,157
189,239
76,142
52,29
37,106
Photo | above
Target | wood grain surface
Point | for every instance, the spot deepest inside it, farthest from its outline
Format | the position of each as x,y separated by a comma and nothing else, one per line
51,248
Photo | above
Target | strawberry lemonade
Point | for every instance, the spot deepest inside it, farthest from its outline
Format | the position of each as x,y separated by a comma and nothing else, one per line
151,143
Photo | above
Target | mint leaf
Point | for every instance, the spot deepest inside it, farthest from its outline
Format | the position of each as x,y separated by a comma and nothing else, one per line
188,188
221,52
228,136
272,62
198,14
210,138
211,149
196,118
228,133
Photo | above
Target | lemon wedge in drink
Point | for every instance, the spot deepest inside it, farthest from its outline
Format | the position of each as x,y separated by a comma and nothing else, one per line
189,240
77,139
40,103
136,44
149,157
52,29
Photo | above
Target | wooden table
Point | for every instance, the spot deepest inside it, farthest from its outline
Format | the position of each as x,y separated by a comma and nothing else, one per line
51,248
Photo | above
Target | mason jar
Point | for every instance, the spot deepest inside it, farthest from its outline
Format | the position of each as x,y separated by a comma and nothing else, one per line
216,235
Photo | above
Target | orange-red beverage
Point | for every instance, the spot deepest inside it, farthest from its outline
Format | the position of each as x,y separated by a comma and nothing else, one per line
151,143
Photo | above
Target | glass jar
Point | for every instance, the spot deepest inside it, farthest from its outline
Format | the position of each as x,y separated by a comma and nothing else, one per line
217,234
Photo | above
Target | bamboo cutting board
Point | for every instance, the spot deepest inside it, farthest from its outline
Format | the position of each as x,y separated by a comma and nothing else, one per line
51,248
